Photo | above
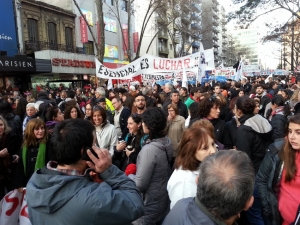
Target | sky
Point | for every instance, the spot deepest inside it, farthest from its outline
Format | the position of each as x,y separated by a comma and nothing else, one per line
269,52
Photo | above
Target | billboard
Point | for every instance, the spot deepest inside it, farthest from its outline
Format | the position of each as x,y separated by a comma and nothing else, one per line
88,15
111,51
8,37
110,25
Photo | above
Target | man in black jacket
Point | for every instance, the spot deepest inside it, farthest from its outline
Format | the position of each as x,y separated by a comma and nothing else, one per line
121,116
174,99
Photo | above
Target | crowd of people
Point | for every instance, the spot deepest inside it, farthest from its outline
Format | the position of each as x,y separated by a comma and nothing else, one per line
217,153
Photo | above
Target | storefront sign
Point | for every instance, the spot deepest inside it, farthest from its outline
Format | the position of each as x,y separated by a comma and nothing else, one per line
110,25
73,63
17,64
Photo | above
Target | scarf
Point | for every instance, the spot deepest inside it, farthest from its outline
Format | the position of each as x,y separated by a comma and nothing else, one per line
41,157
278,111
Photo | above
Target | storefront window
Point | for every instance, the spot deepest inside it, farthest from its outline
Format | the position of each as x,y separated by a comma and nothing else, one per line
88,48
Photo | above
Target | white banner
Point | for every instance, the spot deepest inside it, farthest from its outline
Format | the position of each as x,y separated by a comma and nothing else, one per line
151,68
251,68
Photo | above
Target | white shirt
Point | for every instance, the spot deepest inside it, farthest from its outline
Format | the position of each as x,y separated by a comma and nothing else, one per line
182,184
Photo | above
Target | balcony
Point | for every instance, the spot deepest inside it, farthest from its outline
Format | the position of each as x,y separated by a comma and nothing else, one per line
215,7
186,18
32,46
215,37
196,17
215,14
215,29
195,26
196,7
224,29
224,42
224,35
215,44
197,36
163,35
216,52
215,22
163,50
196,44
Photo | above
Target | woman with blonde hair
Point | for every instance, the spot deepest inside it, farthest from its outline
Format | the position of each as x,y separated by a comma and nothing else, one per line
196,144
34,154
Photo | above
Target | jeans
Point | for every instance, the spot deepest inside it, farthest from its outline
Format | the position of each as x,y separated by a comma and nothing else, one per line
254,214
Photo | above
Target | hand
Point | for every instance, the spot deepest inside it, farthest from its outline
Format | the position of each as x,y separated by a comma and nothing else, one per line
121,146
128,152
21,189
16,158
103,161
3,153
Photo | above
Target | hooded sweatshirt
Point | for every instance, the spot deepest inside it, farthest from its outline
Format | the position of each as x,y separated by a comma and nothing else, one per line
253,137
57,198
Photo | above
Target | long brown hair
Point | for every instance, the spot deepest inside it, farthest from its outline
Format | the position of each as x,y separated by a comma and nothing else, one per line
288,155
192,140
29,137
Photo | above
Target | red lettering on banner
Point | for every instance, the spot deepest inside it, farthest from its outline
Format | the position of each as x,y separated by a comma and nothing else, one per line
73,63
161,64
173,65
167,64
15,203
154,65
179,64
24,212
187,63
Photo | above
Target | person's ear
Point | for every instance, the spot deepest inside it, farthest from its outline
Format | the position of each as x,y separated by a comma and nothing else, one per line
196,180
249,203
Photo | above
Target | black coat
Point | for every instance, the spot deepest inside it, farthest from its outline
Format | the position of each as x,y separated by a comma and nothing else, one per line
278,123
125,113
267,178
253,137
221,133
232,129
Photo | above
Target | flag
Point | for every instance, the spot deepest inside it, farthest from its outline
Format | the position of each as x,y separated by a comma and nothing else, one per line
184,79
239,71
201,64
153,83
267,79
109,84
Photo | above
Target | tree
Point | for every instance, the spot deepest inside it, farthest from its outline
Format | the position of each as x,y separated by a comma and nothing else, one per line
250,10
100,49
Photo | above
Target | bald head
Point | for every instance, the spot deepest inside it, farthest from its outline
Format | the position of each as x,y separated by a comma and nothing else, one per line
226,183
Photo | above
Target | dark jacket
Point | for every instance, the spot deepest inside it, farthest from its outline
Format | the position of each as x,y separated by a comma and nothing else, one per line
152,175
125,113
267,178
120,159
57,198
232,128
187,212
264,100
247,88
21,178
278,123
297,108
253,137
181,108
221,133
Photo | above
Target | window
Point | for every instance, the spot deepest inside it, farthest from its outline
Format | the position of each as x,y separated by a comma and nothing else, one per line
69,39
124,5
88,48
52,36
32,30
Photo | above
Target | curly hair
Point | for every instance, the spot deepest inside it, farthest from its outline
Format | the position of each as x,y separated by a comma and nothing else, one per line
206,104
68,110
156,121
245,104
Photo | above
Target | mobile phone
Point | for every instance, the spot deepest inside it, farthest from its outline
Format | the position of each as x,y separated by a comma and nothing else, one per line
85,156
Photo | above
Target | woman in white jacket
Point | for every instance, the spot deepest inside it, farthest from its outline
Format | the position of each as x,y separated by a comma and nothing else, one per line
196,144
105,132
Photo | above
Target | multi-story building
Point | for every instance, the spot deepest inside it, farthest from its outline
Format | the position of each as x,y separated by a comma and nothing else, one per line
213,28
175,30
246,43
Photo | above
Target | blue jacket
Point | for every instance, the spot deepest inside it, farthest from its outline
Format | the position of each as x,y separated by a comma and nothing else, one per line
57,198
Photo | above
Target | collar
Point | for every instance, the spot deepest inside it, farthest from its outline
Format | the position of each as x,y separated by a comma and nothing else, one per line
52,165
217,220
118,111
